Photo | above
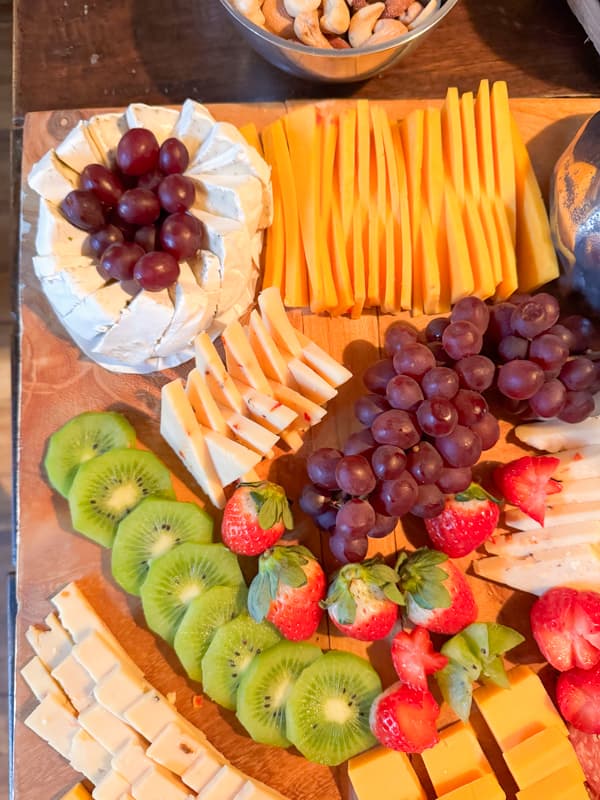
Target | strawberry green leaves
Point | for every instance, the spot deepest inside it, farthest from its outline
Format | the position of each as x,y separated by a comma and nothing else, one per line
421,577
272,505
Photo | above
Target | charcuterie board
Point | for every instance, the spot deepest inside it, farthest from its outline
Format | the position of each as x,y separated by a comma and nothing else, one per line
56,382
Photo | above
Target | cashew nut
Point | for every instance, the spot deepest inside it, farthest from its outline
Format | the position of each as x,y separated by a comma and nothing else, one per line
411,13
251,9
295,7
429,9
336,17
277,19
363,22
307,29
385,30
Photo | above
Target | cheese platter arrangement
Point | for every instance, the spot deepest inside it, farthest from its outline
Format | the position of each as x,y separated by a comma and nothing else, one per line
308,454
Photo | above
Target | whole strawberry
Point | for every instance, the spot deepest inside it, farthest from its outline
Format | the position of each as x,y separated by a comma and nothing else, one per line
526,482
467,520
404,718
414,658
255,517
288,591
362,600
437,594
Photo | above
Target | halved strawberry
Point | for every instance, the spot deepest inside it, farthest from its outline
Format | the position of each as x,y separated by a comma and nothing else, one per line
403,718
414,658
578,698
525,482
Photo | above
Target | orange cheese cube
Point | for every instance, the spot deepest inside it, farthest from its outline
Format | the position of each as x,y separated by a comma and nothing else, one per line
485,788
457,759
564,784
540,755
374,773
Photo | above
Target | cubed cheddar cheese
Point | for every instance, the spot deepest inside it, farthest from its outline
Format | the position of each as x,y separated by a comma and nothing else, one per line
540,755
565,783
485,788
372,774
457,759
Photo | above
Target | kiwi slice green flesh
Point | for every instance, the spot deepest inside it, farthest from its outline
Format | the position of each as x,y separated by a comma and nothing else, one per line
204,616
230,653
108,487
265,687
84,437
155,526
327,712
181,575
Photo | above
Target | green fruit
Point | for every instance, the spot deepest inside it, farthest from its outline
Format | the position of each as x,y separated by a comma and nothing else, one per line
182,574
204,616
456,687
328,708
86,436
153,528
265,688
230,654
108,487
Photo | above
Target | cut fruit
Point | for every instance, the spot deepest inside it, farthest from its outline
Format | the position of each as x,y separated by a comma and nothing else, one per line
204,616
153,528
82,438
328,708
179,576
265,688
230,653
108,487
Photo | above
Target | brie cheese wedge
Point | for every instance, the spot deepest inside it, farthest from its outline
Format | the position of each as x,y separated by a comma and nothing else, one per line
52,179
98,311
68,281
77,149
193,126
226,150
106,131
158,119
237,197
55,235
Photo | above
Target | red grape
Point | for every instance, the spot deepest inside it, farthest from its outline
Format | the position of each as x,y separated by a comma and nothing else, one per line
499,326
471,406
473,310
430,502
513,347
551,306
578,406
518,298
156,271
84,210
549,351
102,182
424,463
404,392
139,207
176,193
354,475
321,465
440,355
173,156
347,549
453,480
564,334
360,443
377,375
388,462
440,382
578,373
383,526
367,407
437,416
146,237
520,379
461,339
582,330
549,399
532,318
399,495
313,501
150,180
181,235
102,239
355,518
476,372
461,448
397,336
413,359
487,429
326,519
395,427
137,151
119,260
435,329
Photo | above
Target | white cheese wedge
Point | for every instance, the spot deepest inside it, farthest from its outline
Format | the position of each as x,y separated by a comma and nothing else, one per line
55,723
193,126
177,749
158,784
237,293
554,436
112,787
221,384
269,356
55,235
96,655
328,368
112,733
277,323
556,515
310,383
135,334
208,272
523,543
50,642
39,680
249,433
585,490
75,681
120,689
204,405
77,149
577,566
67,280
242,363
309,413
106,131
89,757
230,459
132,762
237,197
202,770
256,246
266,409
227,238
158,119
578,463
224,785
98,311
182,432
150,714
52,179
226,150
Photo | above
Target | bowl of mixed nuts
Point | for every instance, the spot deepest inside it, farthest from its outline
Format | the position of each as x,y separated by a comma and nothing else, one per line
335,40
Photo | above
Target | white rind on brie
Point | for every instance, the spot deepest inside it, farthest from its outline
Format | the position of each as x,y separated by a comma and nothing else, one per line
106,131
77,149
67,281
193,126
52,179
158,119
55,235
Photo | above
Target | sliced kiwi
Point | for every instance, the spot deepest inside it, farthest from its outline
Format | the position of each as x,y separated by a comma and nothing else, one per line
181,575
230,653
84,437
327,711
154,527
265,687
204,616
108,487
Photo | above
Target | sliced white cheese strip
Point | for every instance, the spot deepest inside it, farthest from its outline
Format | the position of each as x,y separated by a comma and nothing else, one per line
176,748
120,689
106,131
39,680
310,383
112,733
238,197
55,723
158,119
181,430
227,238
157,784
277,323
98,311
226,150
309,412
203,403
77,149
328,368
265,409
96,655
555,436
585,490
578,463
523,543
112,787
55,235
67,281
193,126
269,356
134,336
89,757
557,515
221,384
242,363
150,714
230,459
50,642
248,432
202,770
75,681
52,179
132,762
224,785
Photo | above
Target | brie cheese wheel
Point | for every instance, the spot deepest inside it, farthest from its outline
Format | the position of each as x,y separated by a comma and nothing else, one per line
55,235
52,179
67,281
193,126
158,119
106,131
77,149
236,196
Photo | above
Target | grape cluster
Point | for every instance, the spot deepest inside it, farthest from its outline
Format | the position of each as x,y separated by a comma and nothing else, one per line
137,213
425,422
542,371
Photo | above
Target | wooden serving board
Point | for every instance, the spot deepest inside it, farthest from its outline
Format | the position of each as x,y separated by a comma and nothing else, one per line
57,382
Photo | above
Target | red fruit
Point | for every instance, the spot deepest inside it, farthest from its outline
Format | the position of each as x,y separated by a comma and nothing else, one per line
566,626
288,591
468,519
404,718
414,658
255,517
587,747
525,483
578,698
437,594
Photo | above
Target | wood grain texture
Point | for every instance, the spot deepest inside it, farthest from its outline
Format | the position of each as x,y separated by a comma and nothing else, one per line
57,382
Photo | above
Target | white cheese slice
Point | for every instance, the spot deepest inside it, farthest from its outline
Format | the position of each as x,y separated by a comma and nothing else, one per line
242,363
203,403
584,490
224,785
328,368
96,655
249,433
309,412
555,515
552,436
150,714
221,384
132,762
77,149
39,680
193,126
238,197
120,689
52,179
112,733
227,238
134,336
217,145
272,362
208,272
98,311
67,281
75,681
578,463
202,770
523,543
158,784
277,323
237,292
50,642
106,131
265,409
55,235
158,119
89,757
226,149
230,459
112,787
55,723
310,383
177,749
